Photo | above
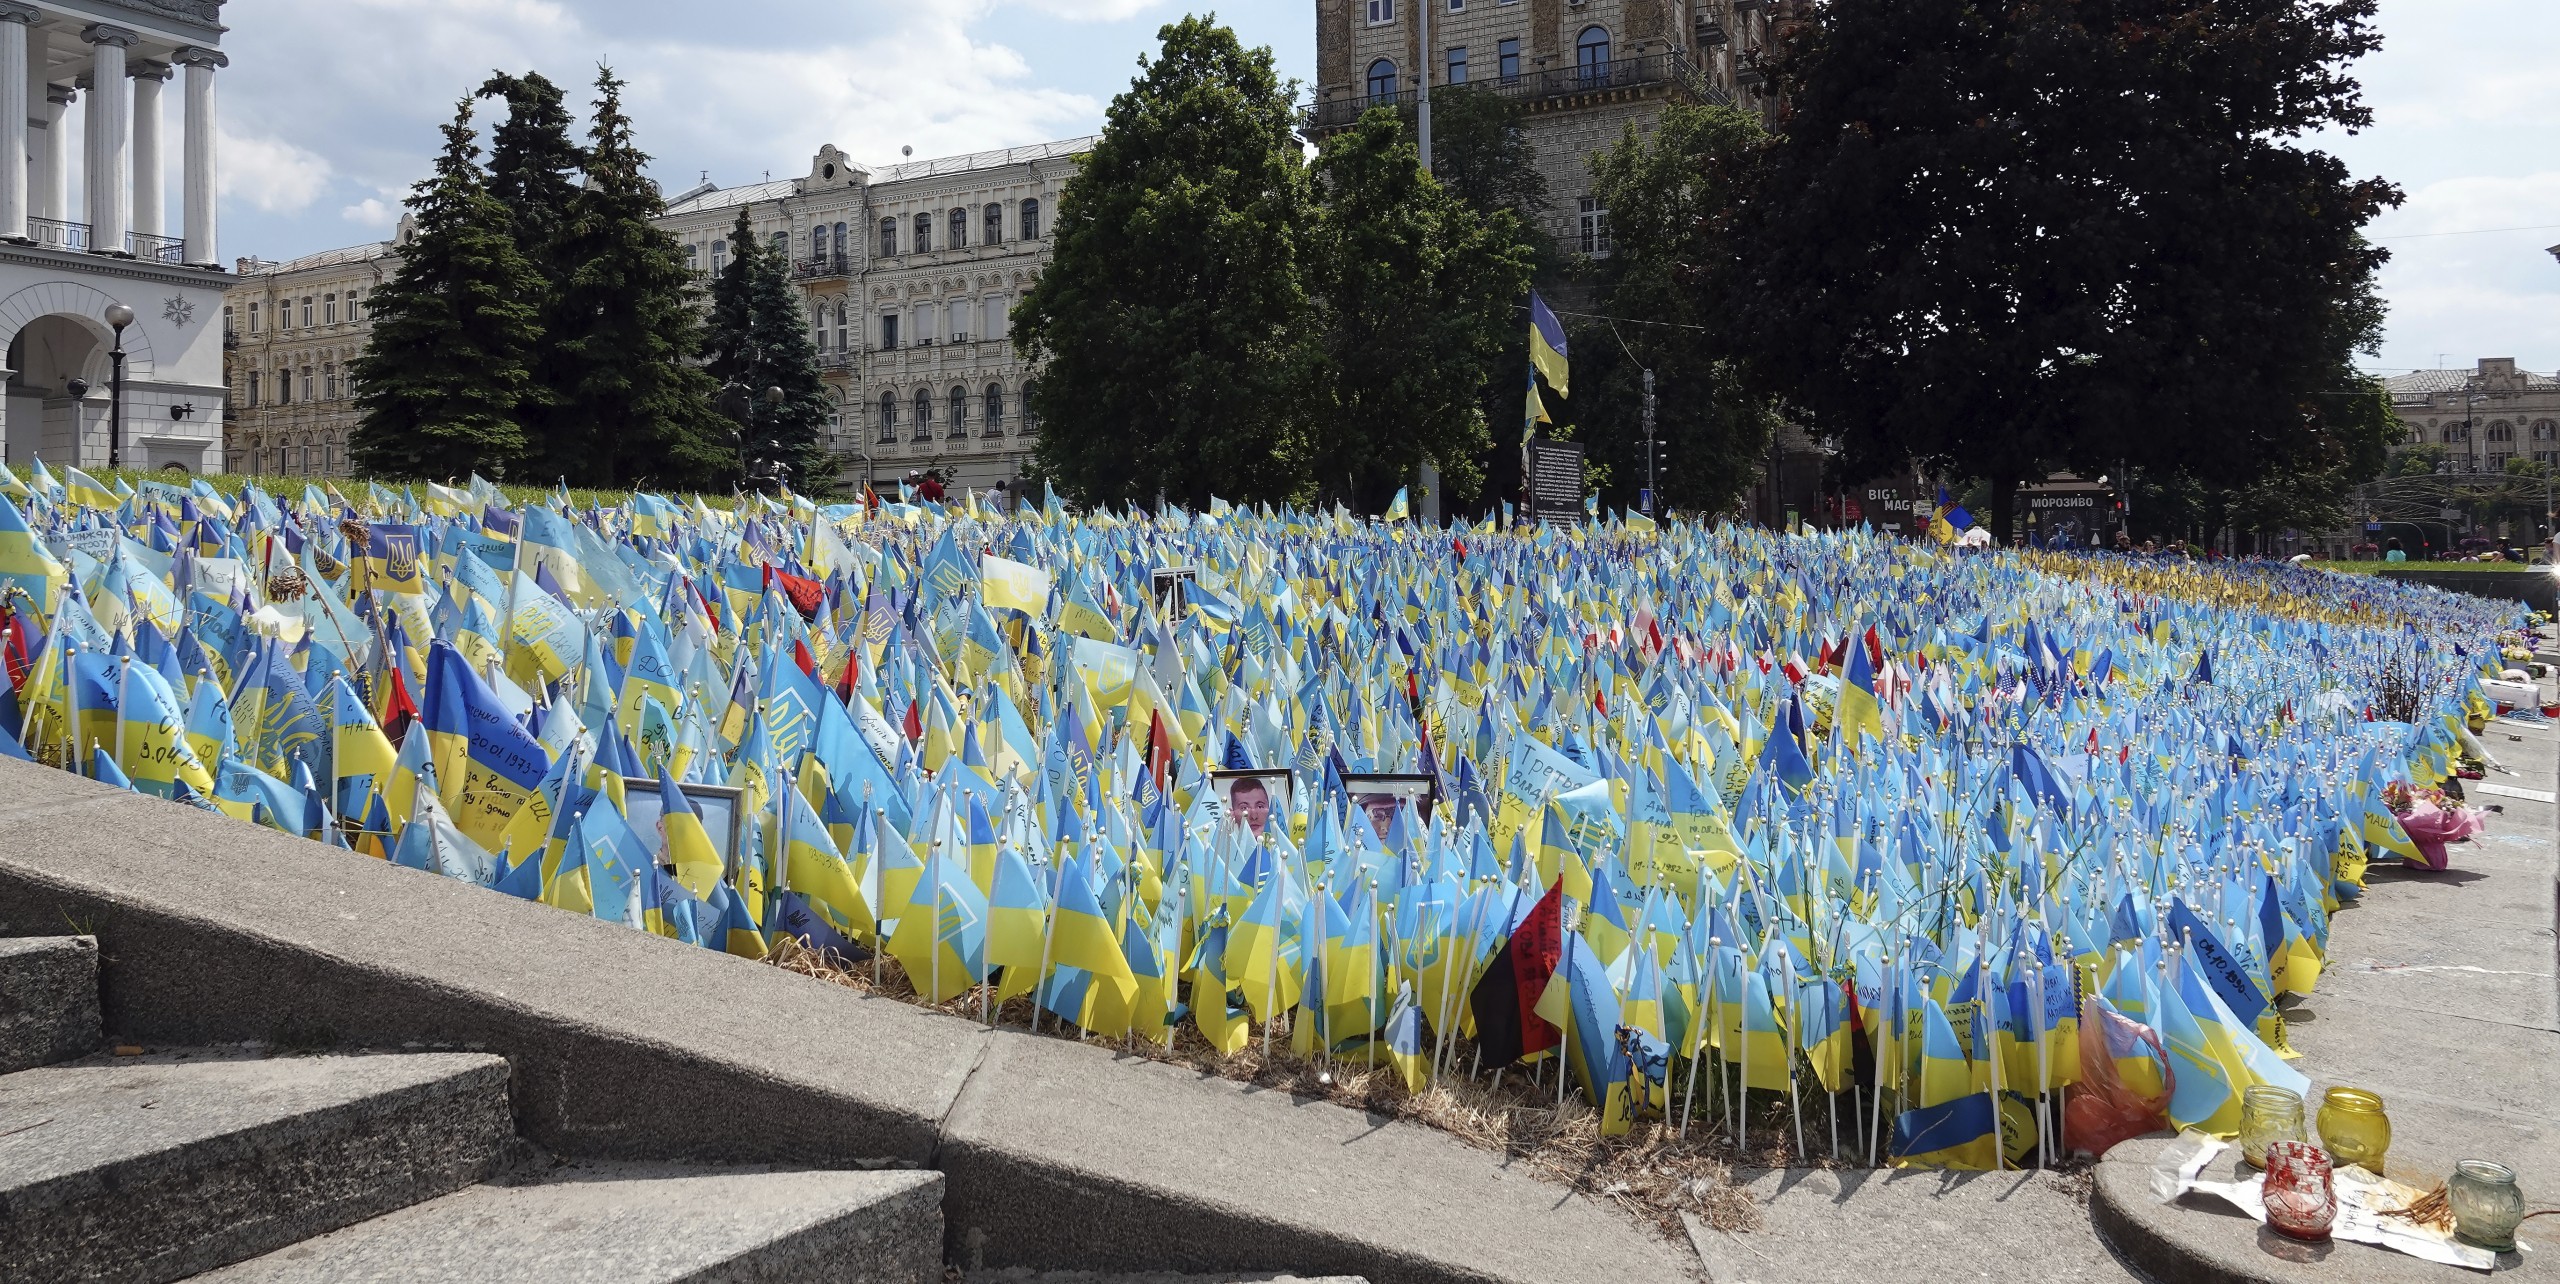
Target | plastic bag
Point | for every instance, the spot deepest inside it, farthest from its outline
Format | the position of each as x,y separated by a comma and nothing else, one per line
2101,1109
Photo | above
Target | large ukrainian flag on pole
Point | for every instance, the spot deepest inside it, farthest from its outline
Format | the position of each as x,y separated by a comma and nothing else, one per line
1546,357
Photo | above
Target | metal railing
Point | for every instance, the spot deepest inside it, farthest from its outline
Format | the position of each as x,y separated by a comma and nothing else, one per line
1651,71
157,249
835,360
823,266
56,234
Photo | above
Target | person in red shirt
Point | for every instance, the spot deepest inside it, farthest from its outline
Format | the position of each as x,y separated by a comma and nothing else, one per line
931,487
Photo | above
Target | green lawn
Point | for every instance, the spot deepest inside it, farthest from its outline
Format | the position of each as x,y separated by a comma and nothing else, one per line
2368,568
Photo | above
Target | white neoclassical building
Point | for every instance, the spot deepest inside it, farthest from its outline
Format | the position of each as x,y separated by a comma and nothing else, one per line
68,253
910,272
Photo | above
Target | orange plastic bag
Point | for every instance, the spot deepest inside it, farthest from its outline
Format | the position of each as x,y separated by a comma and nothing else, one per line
2100,1109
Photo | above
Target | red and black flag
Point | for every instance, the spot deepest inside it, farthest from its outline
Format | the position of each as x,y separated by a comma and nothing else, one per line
1505,1002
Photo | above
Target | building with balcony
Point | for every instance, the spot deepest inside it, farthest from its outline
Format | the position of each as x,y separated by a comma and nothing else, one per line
910,272
70,253
1582,71
2481,417
291,332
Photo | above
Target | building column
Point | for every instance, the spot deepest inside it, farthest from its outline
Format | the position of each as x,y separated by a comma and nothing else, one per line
110,138
53,159
14,21
200,166
150,201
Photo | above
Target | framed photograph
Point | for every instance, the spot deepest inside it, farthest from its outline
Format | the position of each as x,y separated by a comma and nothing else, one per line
1254,797
723,817
1379,794
1173,590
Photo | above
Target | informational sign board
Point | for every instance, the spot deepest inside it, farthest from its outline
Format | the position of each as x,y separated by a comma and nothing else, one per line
1555,481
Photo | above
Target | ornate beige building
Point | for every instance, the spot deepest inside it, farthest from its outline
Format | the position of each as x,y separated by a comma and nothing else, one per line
1582,70
908,273
289,331
2482,417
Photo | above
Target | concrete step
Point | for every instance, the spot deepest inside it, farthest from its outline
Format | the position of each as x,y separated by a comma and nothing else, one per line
612,1224
48,1000
139,1170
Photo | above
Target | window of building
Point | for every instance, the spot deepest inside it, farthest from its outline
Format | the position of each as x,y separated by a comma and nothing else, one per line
306,312
1030,413
818,241
1382,80
1591,51
924,414
2502,431
840,240
995,410
782,246
842,311
888,416
1030,220
888,331
253,318
1381,12
959,227
226,318
818,328
253,388
284,387
995,326
925,330
924,233
355,308
959,411
693,256
1457,6
888,238
329,309
329,382
994,233
1507,56
2546,456
2545,430
1458,65
2457,432
719,257
1594,225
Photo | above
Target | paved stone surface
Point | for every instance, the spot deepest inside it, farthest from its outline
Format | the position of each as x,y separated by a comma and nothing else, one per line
147,1169
2441,996
48,1000
1020,1275
1266,1178
1867,1227
614,1224
628,1046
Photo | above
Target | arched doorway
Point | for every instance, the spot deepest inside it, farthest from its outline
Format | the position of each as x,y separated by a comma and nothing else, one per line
49,357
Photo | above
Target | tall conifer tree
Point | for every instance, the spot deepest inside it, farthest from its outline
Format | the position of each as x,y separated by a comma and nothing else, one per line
760,341
532,164
448,365
632,408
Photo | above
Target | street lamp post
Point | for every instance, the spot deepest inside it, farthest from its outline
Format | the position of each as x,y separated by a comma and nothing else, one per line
118,316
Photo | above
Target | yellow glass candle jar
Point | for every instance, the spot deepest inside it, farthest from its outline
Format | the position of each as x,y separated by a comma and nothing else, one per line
2354,1128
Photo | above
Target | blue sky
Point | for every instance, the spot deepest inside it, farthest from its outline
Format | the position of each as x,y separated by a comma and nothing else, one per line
331,108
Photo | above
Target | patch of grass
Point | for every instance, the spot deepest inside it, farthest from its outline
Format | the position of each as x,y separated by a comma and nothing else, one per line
2372,568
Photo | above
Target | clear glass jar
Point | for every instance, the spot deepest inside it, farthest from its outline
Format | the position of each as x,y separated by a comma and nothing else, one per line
2354,1128
2487,1204
2268,1114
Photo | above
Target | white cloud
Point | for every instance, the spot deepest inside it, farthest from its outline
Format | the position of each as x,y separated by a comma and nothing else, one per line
2459,292
372,212
272,174
1094,10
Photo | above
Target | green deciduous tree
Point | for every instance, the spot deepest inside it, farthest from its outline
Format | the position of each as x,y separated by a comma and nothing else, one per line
1660,189
1482,155
632,408
449,364
1169,321
1416,293
2003,238
759,340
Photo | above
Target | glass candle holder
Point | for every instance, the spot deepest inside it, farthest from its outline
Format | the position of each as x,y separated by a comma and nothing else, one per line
2268,1114
2487,1204
2301,1203
2354,1128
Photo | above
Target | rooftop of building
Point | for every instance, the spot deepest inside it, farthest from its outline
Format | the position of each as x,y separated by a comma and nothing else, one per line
708,197
2418,384
364,253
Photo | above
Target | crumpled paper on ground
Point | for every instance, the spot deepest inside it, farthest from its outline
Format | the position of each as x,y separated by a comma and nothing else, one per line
2361,1198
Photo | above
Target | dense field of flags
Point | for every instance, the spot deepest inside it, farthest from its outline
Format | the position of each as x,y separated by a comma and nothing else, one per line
1686,813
